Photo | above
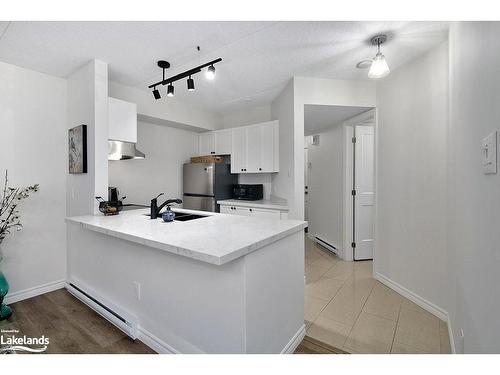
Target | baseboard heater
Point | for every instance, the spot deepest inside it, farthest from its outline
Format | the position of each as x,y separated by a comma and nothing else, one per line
120,319
326,245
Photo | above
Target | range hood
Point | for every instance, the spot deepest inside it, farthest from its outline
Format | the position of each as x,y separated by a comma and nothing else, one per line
120,150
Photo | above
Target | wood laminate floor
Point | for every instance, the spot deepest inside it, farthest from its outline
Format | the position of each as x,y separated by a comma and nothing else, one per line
71,326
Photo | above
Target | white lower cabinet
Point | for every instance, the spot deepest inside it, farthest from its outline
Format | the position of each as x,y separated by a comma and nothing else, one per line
251,211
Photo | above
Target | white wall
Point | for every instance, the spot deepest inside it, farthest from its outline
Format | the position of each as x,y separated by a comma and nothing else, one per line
474,197
166,110
33,147
166,150
88,104
282,110
326,187
288,108
411,243
247,116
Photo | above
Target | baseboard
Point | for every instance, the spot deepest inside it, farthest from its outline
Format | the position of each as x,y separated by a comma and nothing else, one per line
34,291
422,302
155,343
295,341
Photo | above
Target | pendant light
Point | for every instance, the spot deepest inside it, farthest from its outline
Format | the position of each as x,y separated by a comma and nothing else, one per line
190,84
379,67
170,90
210,74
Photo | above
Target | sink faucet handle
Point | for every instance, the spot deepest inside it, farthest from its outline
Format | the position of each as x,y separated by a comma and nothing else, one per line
159,195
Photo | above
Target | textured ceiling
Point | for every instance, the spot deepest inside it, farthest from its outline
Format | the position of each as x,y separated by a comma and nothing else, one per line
258,57
318,118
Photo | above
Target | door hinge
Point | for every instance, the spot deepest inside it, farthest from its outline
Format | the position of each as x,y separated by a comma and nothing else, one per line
353,139
353,192
353,244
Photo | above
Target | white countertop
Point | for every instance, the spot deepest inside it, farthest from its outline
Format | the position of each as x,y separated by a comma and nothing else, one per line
215,239
273,203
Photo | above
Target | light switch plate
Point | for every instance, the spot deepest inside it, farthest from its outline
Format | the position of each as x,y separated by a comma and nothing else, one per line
489,150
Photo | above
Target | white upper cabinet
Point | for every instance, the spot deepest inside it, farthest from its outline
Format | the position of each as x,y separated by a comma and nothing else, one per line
206,144
238,153
122,120
223,142
216,142
255,148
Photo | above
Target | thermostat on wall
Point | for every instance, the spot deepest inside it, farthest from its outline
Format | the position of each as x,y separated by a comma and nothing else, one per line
489,148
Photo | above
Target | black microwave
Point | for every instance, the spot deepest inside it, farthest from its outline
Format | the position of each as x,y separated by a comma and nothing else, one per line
247,192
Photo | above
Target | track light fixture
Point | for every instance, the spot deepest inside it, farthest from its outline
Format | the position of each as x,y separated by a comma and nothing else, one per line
210,74
190,83
156,93
170,90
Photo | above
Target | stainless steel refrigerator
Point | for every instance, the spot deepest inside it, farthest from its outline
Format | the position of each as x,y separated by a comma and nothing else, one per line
205,184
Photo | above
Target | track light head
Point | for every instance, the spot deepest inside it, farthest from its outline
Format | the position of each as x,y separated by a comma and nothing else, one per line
170,90
210,74
156,94
190,84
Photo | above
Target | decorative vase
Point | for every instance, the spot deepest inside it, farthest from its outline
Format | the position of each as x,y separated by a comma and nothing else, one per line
5,311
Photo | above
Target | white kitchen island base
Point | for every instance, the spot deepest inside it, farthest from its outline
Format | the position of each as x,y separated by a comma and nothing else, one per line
176,304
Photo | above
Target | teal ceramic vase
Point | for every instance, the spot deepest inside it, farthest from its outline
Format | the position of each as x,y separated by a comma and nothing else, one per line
5,311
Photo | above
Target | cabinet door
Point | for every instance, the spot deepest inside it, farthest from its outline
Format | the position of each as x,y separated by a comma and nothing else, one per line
223,142
238,150
225,210
122,120
270,214
253,146
206,143
243,211
266,148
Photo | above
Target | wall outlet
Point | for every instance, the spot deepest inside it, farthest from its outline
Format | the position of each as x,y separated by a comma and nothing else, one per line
137,290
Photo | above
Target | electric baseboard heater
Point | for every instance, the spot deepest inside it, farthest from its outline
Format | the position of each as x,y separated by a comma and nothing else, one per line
326,245
115,315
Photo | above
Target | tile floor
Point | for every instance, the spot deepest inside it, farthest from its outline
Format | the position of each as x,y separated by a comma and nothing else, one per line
347,308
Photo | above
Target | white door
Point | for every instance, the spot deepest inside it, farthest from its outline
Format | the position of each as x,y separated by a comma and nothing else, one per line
364,185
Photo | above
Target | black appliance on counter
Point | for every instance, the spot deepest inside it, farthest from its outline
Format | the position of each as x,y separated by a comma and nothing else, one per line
113,194
247,192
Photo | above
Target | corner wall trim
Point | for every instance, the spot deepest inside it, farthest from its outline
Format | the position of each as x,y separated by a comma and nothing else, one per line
295,341
422,302
34,291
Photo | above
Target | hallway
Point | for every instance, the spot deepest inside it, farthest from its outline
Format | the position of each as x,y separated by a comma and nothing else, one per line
347,308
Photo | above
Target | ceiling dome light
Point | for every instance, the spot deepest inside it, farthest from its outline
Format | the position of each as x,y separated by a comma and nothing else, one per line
156,94
170,90
379,67
190,83
210,74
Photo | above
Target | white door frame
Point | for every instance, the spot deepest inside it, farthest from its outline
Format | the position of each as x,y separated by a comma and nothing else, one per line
348,132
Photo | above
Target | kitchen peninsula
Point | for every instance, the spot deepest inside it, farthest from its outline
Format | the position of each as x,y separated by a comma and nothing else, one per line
216,284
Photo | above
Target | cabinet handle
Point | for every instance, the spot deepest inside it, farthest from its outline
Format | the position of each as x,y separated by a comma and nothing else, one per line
251,210
212,152
260,169
241,169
